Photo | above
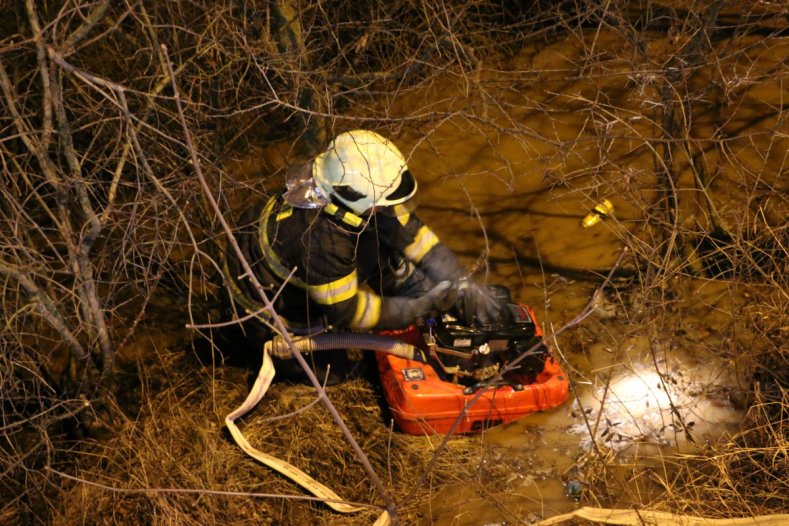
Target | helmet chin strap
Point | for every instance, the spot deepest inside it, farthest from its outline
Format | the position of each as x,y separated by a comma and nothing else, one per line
344,215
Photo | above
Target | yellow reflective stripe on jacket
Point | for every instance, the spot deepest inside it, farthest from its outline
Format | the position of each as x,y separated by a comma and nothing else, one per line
285,213
424,240
336,291
326,293
248,304
269,255
368,310
344,216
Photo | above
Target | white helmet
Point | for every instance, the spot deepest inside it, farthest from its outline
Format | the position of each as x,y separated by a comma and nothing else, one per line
361,170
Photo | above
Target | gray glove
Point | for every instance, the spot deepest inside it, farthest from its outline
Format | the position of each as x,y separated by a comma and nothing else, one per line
399,311
439,299
476,304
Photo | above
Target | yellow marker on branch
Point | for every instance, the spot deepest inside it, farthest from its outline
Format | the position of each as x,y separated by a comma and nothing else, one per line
600,211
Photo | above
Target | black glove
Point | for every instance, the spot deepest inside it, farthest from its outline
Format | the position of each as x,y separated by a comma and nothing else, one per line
476,304
439,299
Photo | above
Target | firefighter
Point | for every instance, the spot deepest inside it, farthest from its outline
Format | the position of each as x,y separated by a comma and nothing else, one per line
351,253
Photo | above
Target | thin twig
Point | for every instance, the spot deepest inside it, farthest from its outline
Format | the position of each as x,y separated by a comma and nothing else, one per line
197,491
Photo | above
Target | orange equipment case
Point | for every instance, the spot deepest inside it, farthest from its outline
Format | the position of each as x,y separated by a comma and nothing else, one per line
422,403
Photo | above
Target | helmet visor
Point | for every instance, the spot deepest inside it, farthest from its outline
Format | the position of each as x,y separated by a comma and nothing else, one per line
400,202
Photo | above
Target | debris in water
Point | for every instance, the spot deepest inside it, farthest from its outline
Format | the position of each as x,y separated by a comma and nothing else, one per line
573,489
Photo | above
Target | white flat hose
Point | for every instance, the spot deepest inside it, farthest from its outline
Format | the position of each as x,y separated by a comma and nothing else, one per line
331,499
279,348
625,517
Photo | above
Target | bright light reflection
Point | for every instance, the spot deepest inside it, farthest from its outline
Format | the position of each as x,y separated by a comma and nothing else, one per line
637,407
640,393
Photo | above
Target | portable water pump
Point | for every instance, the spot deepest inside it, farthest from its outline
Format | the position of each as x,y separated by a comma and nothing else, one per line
469,354
457,381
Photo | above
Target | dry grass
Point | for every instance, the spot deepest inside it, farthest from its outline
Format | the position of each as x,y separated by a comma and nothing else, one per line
739,474
749,473
170,442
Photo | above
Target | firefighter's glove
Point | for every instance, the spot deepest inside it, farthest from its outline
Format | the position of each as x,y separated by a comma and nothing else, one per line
476,305
439,299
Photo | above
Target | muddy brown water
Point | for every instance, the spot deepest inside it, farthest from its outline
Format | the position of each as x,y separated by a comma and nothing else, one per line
534,467
644,388
537,466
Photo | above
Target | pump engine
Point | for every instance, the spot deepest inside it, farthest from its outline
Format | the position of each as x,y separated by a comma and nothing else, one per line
470,353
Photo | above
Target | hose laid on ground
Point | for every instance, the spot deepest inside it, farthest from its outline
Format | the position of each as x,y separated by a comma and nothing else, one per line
279,348
263,381
622,517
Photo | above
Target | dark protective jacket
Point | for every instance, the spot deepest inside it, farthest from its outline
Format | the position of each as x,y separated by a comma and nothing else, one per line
339,269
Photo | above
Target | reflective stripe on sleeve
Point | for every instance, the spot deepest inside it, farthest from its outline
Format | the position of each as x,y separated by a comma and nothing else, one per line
336,291
424,240
368,310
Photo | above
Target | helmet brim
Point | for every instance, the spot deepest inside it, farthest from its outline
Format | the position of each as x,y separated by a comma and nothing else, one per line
406,207
405,190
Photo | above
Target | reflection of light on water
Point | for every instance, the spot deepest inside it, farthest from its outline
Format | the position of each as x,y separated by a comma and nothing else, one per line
640,393
640,406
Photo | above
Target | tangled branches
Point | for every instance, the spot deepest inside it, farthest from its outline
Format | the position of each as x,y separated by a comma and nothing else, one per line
678,112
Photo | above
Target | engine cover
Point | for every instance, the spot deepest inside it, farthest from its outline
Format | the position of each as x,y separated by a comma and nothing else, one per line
469,354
